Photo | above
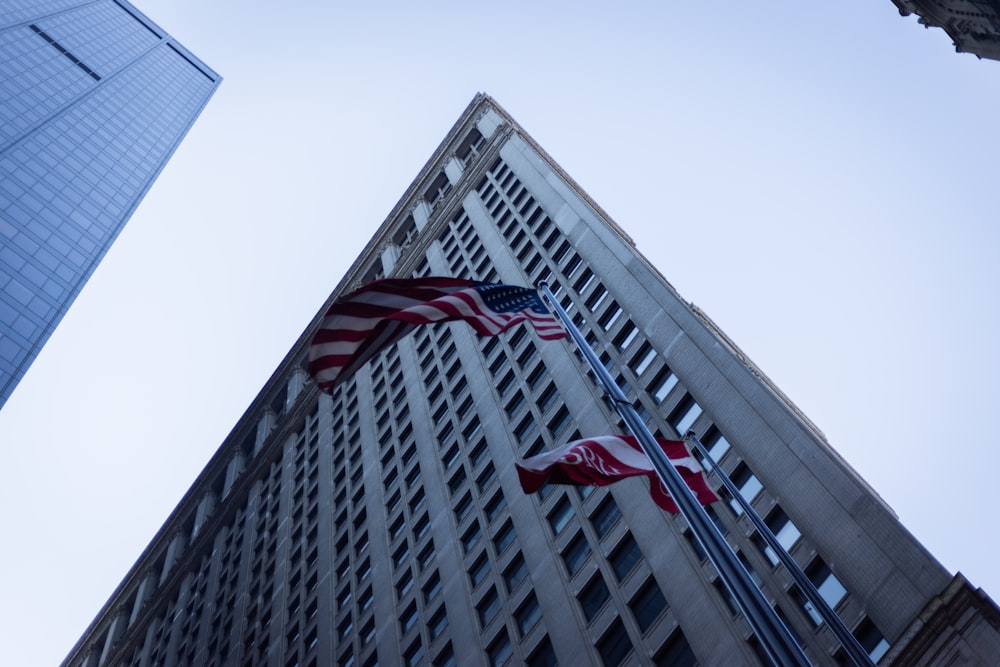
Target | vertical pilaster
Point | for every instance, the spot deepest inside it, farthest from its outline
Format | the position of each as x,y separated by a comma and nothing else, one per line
146,587
174,551
453,169
233,471
421,214
389,256
180,613
204,510
118,625
296,383
264,427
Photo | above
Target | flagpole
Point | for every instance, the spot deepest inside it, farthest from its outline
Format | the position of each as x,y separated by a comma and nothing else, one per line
851,645
774,637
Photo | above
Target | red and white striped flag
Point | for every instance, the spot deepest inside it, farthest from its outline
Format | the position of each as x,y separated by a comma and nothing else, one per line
609,458
366,321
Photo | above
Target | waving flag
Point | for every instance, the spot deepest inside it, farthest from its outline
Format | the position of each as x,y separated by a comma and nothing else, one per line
366,321
606,459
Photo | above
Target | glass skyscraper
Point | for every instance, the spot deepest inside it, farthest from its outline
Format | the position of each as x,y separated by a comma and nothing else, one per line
94,98
384,524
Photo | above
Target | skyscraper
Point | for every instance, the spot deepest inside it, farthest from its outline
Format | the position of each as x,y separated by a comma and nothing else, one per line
95,99
384,523
973,25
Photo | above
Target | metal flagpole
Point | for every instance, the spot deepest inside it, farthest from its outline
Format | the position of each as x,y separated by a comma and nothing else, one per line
847,639
774,637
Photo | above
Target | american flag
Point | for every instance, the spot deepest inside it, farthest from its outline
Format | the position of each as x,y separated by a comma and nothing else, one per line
366,321
609,458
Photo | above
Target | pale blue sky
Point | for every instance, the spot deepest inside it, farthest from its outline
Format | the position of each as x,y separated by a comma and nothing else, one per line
822,182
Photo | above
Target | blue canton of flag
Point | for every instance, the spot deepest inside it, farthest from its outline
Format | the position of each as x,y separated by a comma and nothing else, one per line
510,298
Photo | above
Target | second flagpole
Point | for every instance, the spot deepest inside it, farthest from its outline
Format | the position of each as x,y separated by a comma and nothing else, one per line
774,637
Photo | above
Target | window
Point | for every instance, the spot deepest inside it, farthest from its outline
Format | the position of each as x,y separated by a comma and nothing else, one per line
495,506
414,654
514,405
486,477
421,526
471,538
505,383
826,582
614,645
715,444
404,585
747,483
525,428
500,650
684,415
446,658
648,604
549,395
463,507
559,421
432,588
368,631
527,355
584,281
488,607
625,556
870,639
593,596
642,359
676,652
544,655
409,617
437,624
750,569
528,614
575,554
536,376
412,477
344,598
365,601
396,528
625,337
571,265
402,553
605,516
426,556
456,481
783,529
479,571
560,516
726,596
479,453
596,299
343,630
515,573
661,385
610,316
829,587
504,538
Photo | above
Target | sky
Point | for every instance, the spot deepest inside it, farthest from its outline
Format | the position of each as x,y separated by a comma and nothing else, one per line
821,183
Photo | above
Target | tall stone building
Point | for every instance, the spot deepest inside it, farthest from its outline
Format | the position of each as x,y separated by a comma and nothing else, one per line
94,99
384,524
973,25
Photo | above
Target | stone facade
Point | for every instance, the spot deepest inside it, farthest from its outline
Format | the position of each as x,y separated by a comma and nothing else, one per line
384,523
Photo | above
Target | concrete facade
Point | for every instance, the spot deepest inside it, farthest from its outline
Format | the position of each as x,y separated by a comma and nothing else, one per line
384,524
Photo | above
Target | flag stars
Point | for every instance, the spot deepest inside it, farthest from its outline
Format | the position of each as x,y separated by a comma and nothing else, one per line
506,298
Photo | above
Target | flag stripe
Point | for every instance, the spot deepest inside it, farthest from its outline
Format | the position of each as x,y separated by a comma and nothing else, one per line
607,459
362,323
